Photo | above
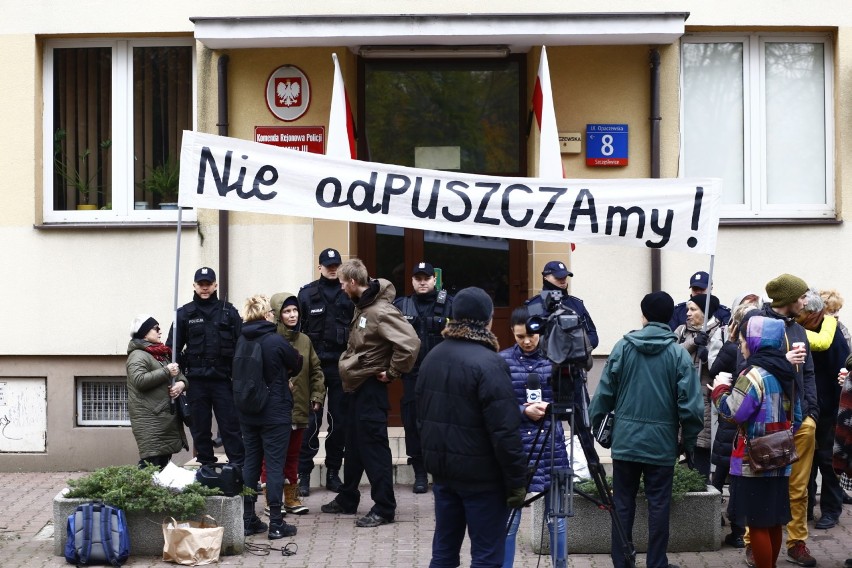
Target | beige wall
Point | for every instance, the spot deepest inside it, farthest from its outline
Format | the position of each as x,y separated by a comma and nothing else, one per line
71,293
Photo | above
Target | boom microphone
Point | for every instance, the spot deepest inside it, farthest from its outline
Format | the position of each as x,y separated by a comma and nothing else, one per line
533,388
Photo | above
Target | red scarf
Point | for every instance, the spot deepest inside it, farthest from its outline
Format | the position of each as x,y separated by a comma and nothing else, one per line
160,351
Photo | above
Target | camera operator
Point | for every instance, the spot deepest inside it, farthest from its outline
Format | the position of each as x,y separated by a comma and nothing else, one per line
649,383
531,373
556,279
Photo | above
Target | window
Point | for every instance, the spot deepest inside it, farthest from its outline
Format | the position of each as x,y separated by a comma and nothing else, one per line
102,401
758,113
114,116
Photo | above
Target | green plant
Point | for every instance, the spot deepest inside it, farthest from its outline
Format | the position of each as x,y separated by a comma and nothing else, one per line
78,171
163,180
133,489
685,481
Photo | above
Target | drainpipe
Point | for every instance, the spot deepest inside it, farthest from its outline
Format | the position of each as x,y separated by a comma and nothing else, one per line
222,123
654,63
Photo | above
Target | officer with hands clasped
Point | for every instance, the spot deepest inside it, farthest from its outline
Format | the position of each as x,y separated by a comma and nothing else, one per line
427,309
207,332
556,278
326,312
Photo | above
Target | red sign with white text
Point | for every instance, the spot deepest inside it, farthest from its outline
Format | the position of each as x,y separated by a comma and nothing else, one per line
303,138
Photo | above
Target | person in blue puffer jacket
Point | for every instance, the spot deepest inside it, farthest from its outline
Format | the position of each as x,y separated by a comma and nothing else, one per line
523,359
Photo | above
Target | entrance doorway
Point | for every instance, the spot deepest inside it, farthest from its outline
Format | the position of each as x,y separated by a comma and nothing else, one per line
456,115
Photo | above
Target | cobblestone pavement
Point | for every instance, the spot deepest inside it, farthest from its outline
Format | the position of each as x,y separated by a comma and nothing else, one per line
26,536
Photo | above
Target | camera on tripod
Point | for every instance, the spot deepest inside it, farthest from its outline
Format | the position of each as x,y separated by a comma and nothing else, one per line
562,331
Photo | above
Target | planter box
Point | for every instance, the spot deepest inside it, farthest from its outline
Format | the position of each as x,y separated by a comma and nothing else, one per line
693,525
146,529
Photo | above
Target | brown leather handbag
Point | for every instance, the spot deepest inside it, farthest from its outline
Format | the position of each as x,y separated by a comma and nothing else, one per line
775,450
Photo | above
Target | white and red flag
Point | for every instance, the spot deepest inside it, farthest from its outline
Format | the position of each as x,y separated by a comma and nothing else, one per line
549,155
341,124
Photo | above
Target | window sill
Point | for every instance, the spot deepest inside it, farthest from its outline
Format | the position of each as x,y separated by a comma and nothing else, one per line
778,221
117,225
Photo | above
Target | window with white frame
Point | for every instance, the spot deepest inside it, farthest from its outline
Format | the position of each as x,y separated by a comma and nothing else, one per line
115,111
757,111
102,401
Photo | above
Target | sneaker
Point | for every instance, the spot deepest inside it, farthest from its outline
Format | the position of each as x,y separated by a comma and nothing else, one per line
254,526
799,554
371,520
335,507
749,556
333,481
277,531
304,484
826,522
734,540
848,563
421,484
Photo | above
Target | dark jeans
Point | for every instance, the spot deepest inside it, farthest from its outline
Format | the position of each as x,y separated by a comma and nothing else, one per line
266,443
335,441
482,513
408,409
831,495
368,449
658,491
206,398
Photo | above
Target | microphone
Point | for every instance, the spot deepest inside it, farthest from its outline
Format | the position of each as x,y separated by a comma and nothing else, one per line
533,387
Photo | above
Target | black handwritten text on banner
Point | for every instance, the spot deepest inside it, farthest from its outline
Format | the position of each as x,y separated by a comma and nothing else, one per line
228,173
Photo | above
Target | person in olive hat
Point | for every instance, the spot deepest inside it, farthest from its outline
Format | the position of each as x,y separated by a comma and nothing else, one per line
788,296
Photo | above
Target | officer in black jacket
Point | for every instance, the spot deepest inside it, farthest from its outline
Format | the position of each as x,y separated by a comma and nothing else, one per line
326,313
207,332
555,278
427,310
699,283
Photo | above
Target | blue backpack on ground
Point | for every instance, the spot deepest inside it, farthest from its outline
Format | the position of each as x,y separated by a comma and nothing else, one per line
97,534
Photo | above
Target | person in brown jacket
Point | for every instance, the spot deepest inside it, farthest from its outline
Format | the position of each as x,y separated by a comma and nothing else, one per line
382,346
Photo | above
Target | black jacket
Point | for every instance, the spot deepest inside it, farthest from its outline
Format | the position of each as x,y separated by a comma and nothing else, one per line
207,332
280,362
827,365
325,313
723,443
468,414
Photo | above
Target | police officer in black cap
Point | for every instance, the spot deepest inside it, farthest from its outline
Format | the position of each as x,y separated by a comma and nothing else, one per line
427,309
207,329
699,283
326,312
556,278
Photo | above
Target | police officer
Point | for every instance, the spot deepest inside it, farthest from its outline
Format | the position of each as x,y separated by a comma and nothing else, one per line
699,283
556,278
326,313
207,331
427,309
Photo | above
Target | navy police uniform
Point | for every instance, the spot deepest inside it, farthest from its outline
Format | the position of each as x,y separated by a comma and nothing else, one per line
536,303
207,332
428,314
326,312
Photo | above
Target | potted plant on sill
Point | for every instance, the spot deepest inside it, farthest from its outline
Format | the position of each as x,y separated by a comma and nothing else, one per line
163,180
78,172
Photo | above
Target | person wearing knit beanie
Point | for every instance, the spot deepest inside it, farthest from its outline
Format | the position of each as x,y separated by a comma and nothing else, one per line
141,325
700,300
473,304
785,290
657,307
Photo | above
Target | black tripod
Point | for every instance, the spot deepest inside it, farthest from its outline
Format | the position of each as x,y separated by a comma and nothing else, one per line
572,400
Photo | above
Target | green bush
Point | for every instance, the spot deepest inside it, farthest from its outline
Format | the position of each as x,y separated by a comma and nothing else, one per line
685,481
133,489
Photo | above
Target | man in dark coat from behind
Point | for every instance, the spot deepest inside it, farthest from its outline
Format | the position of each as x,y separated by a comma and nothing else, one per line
469,420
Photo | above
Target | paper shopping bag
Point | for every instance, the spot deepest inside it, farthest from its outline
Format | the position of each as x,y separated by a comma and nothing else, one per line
192,543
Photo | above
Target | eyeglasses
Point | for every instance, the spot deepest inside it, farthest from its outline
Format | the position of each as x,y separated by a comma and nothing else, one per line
156,328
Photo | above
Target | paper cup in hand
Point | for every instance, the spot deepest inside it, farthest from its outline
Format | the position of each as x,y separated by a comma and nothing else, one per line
799,345
725,376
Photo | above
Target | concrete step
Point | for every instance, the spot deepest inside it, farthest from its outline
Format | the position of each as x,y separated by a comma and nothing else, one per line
403,473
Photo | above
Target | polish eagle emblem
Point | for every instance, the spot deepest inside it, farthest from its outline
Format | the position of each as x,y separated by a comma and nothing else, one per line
288,92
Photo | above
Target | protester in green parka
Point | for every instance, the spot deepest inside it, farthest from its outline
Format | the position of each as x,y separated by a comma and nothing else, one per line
153,381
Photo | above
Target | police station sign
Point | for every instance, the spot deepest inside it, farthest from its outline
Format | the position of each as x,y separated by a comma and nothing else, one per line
228,173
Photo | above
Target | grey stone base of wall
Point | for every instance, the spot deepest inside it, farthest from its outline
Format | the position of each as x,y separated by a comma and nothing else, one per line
694,525
146,529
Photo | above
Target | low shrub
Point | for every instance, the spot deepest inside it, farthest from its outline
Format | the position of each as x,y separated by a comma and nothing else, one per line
133,489
685,481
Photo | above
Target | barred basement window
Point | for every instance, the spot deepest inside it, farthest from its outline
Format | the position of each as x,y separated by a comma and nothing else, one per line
102,401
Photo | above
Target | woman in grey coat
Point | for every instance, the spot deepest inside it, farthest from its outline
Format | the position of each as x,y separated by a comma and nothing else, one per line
153,381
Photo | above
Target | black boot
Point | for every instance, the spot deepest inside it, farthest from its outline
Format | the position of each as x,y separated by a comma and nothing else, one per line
304,484
421,481
332,480
251,522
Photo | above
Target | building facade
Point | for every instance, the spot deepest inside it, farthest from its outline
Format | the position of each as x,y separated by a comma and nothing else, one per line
99,94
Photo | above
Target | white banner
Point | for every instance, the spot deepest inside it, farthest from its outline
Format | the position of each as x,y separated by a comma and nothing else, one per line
238,175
